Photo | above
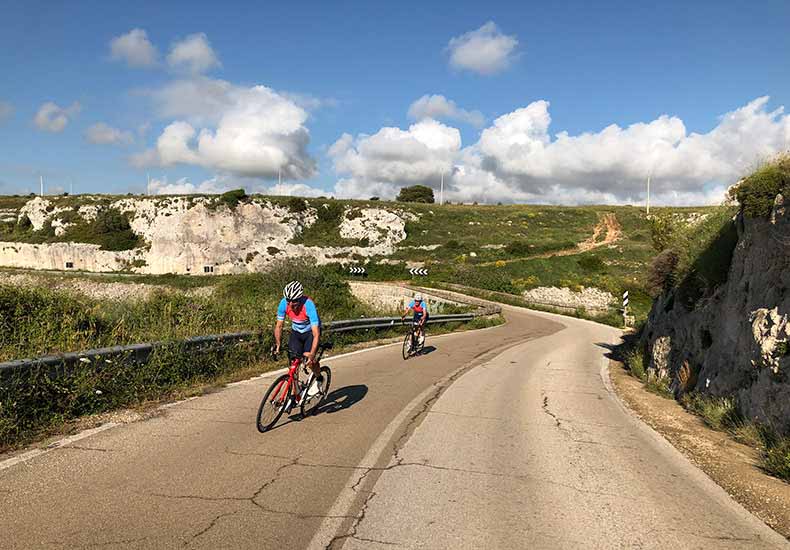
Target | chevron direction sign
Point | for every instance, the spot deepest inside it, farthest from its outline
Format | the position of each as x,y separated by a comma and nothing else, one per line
418,271
355,270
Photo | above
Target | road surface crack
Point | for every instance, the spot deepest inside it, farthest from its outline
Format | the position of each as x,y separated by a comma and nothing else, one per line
210,526
376,541
548,411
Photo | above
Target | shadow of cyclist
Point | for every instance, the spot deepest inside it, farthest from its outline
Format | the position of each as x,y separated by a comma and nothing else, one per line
342,398
426,350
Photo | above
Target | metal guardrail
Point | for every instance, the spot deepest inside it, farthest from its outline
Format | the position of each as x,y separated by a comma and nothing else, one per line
140,352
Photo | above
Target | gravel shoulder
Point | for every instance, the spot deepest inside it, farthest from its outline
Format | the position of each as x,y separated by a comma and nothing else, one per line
732,465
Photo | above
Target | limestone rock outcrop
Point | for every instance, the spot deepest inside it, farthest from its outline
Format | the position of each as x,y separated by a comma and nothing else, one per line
192,235
734,343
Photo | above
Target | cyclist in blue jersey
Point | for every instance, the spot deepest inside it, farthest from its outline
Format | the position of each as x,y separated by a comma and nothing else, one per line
305,326
420,309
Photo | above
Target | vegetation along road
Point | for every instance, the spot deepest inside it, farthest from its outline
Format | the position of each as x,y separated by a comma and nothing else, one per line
508,437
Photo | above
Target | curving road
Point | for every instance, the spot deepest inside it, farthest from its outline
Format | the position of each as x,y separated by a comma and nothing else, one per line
502,438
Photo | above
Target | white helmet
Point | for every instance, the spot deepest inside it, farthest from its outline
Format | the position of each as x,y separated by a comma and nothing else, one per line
418,297
293,291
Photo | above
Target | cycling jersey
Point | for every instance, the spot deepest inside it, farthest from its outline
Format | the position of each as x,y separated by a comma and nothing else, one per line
304,320
419,309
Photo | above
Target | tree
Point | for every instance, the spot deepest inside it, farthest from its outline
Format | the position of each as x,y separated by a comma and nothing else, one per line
416,193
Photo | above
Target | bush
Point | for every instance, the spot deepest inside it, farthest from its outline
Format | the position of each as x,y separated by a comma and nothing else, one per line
635,361
661,275
232,198
517,248
374,198
110,230
756,193
297,205
720,413
662,231
592,264
416,193
776,459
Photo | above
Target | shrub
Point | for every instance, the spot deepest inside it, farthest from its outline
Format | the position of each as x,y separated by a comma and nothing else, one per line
720,413
374,198
592,264
635,361
232,198
416,193
517,248
24,223
776,459
297,205
662,231
757,192
661,275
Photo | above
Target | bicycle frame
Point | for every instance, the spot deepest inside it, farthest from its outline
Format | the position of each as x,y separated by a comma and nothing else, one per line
282,392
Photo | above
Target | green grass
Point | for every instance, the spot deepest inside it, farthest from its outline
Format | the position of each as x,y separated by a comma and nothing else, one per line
721,414
756,193
635,361
39,321
470,239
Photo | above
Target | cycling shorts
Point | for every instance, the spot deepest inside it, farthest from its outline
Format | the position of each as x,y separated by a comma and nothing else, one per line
300,343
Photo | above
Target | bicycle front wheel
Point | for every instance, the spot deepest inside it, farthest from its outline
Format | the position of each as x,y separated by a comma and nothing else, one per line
273,404
407,345
310,403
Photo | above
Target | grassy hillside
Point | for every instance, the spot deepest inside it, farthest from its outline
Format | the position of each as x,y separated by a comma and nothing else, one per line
504,248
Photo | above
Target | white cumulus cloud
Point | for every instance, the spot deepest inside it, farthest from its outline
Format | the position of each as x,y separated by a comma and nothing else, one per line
379,164
183,186
104,134
616,161
484,51
439,107
193,54
135,49
245,131
517,159
53,118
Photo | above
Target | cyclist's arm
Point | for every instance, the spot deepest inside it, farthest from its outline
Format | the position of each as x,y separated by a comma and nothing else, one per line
278,331
316,335
424,318
278,327
315,325
408,308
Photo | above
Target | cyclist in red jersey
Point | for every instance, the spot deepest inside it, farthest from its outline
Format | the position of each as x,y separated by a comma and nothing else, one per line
420,309
305,327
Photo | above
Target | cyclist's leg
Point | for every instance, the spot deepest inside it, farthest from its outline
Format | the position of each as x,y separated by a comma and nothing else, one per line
314,366
296,349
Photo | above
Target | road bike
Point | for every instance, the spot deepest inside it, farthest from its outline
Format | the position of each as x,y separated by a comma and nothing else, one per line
279,399
413,344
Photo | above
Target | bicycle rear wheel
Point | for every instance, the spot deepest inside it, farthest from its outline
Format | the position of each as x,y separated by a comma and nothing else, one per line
310,403
407,345
273,404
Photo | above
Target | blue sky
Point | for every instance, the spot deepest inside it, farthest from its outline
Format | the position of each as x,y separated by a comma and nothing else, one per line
356,67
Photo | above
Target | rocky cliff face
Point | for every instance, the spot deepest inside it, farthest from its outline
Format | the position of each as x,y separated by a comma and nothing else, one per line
187,235
736,341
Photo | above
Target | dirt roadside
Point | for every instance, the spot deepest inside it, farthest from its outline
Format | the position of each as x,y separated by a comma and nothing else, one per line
732,465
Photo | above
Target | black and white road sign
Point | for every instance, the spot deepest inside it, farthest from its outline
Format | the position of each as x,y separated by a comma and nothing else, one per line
625,299
356,270
418,271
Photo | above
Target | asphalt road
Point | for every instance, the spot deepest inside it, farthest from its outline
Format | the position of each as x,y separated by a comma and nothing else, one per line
502,438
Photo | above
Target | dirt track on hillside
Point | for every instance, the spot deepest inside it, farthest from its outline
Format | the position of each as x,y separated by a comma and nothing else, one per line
608,226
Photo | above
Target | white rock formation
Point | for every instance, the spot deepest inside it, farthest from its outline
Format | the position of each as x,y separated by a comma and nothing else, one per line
193,235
